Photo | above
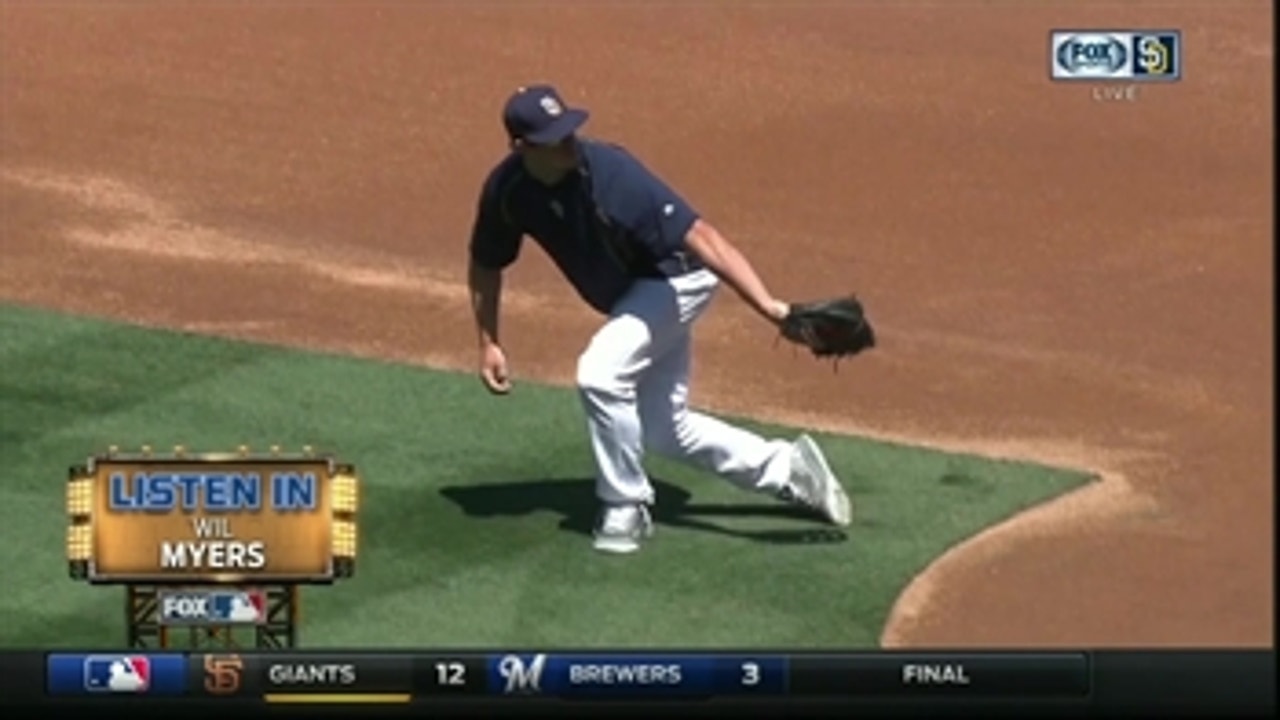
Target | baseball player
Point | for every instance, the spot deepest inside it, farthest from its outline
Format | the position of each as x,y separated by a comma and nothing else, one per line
642,256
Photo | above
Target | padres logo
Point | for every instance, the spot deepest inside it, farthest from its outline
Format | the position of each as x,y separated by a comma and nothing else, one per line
1154,56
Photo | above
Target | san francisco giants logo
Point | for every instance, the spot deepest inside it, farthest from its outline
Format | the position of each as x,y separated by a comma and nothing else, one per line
223,674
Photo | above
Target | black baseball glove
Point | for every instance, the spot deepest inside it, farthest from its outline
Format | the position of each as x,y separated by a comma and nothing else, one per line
833,328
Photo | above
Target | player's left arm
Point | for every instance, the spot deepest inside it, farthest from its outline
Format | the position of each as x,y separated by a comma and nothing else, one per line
732,266
676,226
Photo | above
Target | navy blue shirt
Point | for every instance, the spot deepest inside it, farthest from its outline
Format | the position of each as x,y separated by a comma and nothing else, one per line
605,225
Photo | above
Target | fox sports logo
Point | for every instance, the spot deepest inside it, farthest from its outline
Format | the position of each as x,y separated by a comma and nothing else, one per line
1092,55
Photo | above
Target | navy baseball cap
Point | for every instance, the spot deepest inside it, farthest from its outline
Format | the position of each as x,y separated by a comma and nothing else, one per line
537,115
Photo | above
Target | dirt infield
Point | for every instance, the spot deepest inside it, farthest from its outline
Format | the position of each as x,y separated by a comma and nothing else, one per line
1053,275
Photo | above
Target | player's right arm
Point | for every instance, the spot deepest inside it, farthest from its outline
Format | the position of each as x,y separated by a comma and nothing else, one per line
486,294
495,244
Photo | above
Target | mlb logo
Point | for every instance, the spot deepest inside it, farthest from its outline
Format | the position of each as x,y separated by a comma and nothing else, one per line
212,606
117,674
1157,55
245,606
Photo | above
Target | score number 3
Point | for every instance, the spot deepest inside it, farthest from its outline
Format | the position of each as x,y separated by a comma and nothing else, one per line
750,674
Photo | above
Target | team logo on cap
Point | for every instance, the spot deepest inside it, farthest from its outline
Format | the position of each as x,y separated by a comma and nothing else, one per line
551,106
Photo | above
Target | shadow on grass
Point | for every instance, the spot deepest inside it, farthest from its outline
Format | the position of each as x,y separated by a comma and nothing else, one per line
575,502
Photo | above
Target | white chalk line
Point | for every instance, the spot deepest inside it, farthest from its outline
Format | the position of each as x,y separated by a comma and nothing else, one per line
146,225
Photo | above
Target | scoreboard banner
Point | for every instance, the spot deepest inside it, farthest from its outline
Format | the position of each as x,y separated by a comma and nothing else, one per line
211,519
1078,681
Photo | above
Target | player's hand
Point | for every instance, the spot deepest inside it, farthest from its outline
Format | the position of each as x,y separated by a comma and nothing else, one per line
493,369
777,310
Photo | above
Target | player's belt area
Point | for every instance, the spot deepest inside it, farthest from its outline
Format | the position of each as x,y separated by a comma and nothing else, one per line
1055,679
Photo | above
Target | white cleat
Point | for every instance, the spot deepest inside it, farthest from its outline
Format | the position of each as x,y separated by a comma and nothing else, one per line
814,485
622,528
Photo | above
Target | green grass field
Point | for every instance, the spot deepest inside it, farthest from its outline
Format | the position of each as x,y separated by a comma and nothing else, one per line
476,511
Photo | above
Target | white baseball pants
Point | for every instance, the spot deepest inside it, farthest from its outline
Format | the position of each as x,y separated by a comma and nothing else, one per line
633,379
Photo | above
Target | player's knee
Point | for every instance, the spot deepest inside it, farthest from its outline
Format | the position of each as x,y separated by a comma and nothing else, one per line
598,378
662,441
665,432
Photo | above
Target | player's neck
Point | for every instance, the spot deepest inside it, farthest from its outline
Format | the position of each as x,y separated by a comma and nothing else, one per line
546,175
